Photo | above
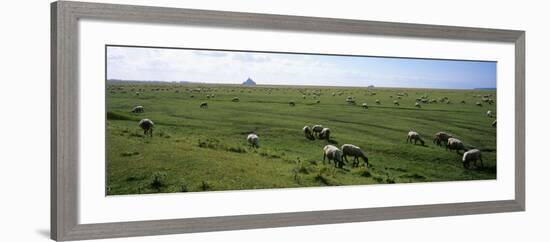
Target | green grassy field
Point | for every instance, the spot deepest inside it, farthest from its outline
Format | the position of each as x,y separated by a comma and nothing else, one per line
196,149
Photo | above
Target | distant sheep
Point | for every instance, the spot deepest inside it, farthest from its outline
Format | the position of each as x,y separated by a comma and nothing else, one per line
455,144
377,101
138,109
204,105
479,104
414,136
333,154
471,156
395,103
356,152
365,106
253,140
441,138
489,114
494,124
325,134
463,102
235,99
417,105
147,126
292,103
317,129
308,132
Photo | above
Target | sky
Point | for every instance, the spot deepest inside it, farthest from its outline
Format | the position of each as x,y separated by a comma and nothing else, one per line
234,67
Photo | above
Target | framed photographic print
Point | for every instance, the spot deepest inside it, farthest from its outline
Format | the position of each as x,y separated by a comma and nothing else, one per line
169,120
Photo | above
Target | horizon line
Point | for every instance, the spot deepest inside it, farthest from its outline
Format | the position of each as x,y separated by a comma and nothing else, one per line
301,85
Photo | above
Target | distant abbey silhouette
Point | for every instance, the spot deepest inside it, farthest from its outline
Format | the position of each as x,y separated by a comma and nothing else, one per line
249,82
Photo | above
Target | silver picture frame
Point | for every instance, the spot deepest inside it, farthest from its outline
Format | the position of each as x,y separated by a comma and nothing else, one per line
65,112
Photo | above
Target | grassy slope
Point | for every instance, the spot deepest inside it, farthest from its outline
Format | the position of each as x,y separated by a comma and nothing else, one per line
205,149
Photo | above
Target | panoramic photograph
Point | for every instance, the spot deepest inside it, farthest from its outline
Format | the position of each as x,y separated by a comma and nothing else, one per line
195,120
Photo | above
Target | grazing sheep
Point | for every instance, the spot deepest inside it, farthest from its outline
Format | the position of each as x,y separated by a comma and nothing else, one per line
417,105
455,144
325,134
138,109
333,154
479,104
204,105
292,103
463,102
377,101
489,114
414,136
147,126
395,103
494,124
308,132
365,106
441,138
471,156
304,96
253,140
235,99
317,129
356,152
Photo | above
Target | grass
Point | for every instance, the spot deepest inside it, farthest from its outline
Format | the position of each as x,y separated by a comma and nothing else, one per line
196,149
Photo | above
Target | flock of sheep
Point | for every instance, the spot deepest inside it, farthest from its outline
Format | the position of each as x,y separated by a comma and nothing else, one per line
451,144
339,155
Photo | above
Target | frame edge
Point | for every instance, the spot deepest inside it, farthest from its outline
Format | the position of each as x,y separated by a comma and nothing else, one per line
64,223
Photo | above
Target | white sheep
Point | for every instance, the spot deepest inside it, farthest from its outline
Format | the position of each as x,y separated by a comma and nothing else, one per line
489,114
235,99
455,144
356,152
479,104
414,136
494,124
471,156
137,109
253,140
325,134
333,154
441,138
377,101
317,129
147,126
204,105
291,103
365,106
395,103
308,132
417,105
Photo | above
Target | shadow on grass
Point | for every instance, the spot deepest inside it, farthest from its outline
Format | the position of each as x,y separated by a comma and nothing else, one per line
333,141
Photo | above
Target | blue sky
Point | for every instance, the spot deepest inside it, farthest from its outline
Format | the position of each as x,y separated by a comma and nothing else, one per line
132,63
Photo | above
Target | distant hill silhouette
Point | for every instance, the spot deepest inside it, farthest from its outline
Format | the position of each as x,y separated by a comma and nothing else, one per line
249,82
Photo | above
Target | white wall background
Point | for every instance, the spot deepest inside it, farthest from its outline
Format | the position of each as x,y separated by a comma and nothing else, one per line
24,95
